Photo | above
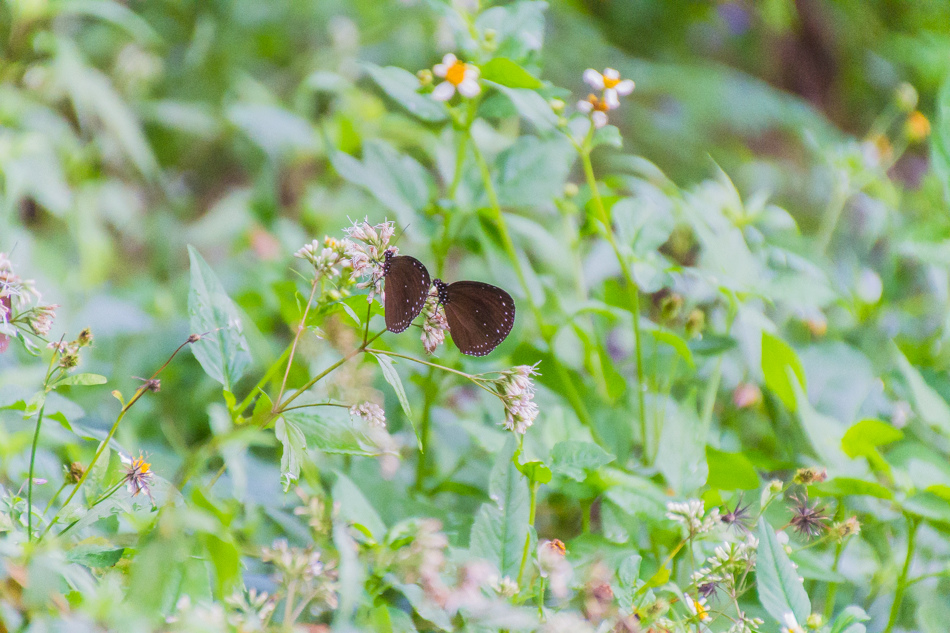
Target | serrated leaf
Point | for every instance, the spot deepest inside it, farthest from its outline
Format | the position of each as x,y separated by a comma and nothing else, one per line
777,358
400,85
294,445
576,459
223,352
780,589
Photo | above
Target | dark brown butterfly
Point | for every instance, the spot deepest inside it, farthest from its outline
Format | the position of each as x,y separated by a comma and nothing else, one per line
480,315
407,286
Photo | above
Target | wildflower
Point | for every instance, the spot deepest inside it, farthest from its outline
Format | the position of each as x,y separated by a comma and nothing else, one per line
516,391
293,562
41,319
807,520
844,529
746,395
745,624
610,83
74,473
150,384
60,347
315,510
69,359
917,127
808,476
692,514
326,258
698,608
138,476
598,594
504,587
434,324
253,608
791,624
553,565
737,518
364,252
595,108
458,76
422,561
467,593
372,413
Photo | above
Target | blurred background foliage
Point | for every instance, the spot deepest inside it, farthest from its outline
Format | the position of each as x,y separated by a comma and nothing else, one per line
785,169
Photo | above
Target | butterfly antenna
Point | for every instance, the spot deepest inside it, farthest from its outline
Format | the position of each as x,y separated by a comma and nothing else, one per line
400,234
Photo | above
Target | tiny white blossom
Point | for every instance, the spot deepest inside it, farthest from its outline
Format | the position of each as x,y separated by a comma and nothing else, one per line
365,252
516,390
595,108
611,84
372,413
458,76
791,624
692,514
434,323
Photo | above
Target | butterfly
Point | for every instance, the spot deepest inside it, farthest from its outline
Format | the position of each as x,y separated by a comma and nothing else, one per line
407,287
480,315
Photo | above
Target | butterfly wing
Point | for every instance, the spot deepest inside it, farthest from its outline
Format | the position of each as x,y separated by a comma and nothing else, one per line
480,316
407,286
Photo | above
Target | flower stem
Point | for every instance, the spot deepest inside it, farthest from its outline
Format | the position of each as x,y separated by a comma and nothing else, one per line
912,524
604,218
425,429
29,493
293,348
527,539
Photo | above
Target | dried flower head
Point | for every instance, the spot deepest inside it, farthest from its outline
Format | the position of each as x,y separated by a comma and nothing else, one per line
73,473
40,319
84,338
434,323
138,476
458,76
808,476
808,520
846,528
737,518
372,413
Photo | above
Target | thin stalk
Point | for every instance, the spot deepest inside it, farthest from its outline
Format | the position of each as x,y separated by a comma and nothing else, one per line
833,586
604,218
275,366
829,221
55,494
912,524
289,606
29,493
293,347
527,538
425,430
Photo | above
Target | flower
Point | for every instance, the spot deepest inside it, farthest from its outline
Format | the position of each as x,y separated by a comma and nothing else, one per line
372,413
808,520
365,251
138,476
698,608
746,395
434,324
745,624
325,258
791,624
293,562
691,514
610,83
596,108
808,476
505,587
553,565
41,319
458,75
917,126
516,391
771,490
252,609
844,529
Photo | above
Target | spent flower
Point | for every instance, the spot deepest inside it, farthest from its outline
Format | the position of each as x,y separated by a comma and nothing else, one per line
138,476
458,76
809,520
40,319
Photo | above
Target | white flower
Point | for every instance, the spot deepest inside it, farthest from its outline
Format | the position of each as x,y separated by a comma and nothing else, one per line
138,476
611,84
434,324
41,319
553,565
698,608
791,624
365,252
516,390
372,413
745,624
458,75
595,108
691,514
505,587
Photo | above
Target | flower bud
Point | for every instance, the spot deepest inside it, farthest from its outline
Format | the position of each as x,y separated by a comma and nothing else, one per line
570,190
425,77
84,338
670,306
695,322
846,528
815,621
74,473
557,105
807,476
906,97
773,488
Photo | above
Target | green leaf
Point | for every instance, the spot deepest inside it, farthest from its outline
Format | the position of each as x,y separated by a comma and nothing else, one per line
294,453
823,432
355,508
226,560
661,577
676,342
505,72
392,377
351,577
930,506
931,408
863,438
850,620
223,351
400,85
847,486
681,455
501,527
80,379
531,106
940,139
576,459
536,471
532,169
730,471
777,358
93,555
780,590
331,433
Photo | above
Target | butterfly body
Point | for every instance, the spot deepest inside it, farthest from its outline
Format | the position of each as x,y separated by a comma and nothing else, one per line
480,315
407,287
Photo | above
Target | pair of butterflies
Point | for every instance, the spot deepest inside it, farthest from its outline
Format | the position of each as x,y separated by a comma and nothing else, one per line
479,315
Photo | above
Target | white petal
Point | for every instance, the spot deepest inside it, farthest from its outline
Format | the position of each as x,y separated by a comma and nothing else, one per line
469,88
610,73
585,106
472,71
449,59
625,87
443,92
440,70
611,99
599,118
594,79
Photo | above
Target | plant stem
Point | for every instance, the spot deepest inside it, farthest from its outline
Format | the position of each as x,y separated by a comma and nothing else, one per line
425,430
293,348
604,218
527,539
55,494
833,586
829,221
263,381
29,494
912,524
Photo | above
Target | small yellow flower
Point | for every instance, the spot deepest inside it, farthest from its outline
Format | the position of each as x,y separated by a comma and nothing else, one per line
458,76
917,126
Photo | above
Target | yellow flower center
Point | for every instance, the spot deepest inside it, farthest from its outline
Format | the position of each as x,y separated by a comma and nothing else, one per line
141,465
599,106
611,82
701,612
456,73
